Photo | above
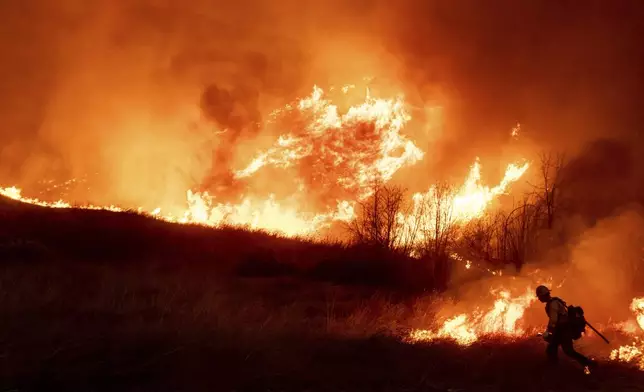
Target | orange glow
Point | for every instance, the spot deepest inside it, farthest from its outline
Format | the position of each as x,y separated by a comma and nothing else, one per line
347,151
634,352
502,319
637,306
344,153
362,145
461,205
15,193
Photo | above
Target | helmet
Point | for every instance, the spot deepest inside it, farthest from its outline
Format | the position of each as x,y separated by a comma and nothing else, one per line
542,291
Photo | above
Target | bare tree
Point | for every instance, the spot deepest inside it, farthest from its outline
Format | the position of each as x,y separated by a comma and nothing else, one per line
520,228
502,238
441,227
378,222
437,230
512,237
552,165
410,226
481,238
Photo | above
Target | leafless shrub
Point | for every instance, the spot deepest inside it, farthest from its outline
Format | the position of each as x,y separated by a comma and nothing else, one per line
378,222
520,230
499,238
437,230
424,228
548,191
482,238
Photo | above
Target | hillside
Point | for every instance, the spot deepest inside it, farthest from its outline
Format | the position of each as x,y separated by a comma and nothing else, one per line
96,300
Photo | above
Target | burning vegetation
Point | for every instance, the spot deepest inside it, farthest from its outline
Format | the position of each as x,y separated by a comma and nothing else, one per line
455,174
339,166
633,353
336,160
502,319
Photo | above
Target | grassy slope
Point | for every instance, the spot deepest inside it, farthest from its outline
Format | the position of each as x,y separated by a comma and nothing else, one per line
100,301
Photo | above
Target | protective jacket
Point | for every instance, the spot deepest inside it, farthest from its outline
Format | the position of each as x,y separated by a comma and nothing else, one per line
557,314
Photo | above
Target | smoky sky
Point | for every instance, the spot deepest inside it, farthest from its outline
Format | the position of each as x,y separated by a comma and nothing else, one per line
72,73
568,71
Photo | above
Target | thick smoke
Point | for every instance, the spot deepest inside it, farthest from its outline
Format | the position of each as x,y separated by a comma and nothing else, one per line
607,175
593,256
599,268
568,72
606,264
157,98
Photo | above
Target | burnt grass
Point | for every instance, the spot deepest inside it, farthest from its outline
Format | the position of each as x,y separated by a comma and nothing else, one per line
101,301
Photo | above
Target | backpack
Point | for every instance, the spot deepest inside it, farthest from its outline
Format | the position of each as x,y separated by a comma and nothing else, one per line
575,321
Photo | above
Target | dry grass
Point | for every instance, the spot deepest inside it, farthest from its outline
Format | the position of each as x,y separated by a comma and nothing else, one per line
97,301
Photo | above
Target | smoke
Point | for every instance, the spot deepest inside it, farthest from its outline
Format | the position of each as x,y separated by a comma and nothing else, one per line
568,72
598,268
605,265
155,97
604,177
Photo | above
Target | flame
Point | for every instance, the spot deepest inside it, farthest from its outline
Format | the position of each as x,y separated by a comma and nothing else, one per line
637,306
265,214
338,154
15,193
515,131
502,319
634,352
361,146
455,328
629,353
468,202
343,154
473,198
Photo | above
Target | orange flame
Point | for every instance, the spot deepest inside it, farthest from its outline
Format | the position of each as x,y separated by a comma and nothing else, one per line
345,151
503,319
633,353
470,202
637,306
361,146
467,203
15,193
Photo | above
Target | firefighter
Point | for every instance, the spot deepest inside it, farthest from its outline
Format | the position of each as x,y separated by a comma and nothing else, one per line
559,332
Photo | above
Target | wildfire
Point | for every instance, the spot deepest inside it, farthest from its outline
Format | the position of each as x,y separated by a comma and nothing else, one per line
633,353
515,131
16,194
261,214
336,156
346,152
472,199
446,206
502,319
637,306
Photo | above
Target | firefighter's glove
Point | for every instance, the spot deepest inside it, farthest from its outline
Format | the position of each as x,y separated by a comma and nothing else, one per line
547,336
